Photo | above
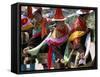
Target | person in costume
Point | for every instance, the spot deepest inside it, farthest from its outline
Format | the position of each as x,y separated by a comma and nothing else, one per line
55,41
39,30
27,27
58,38
36,24
90,38
78,37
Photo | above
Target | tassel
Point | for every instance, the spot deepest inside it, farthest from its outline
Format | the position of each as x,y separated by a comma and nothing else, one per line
49,57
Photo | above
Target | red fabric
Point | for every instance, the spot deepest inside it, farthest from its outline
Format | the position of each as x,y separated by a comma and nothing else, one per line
30,15
50,57
63,31
36,35
24,21
55,43
44,30
50,51
79,24
58,14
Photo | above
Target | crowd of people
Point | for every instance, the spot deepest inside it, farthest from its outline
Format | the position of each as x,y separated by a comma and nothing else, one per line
49,42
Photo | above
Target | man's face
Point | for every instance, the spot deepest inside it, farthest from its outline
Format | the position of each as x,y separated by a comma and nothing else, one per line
76,43
60,24
82,55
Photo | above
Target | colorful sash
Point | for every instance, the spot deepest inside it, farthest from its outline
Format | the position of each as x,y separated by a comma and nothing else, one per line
55,42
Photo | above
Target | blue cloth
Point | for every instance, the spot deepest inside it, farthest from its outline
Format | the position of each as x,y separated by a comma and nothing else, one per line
24,68
53,57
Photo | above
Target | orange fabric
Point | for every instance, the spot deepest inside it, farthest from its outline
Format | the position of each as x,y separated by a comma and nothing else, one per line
24,21
44,29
